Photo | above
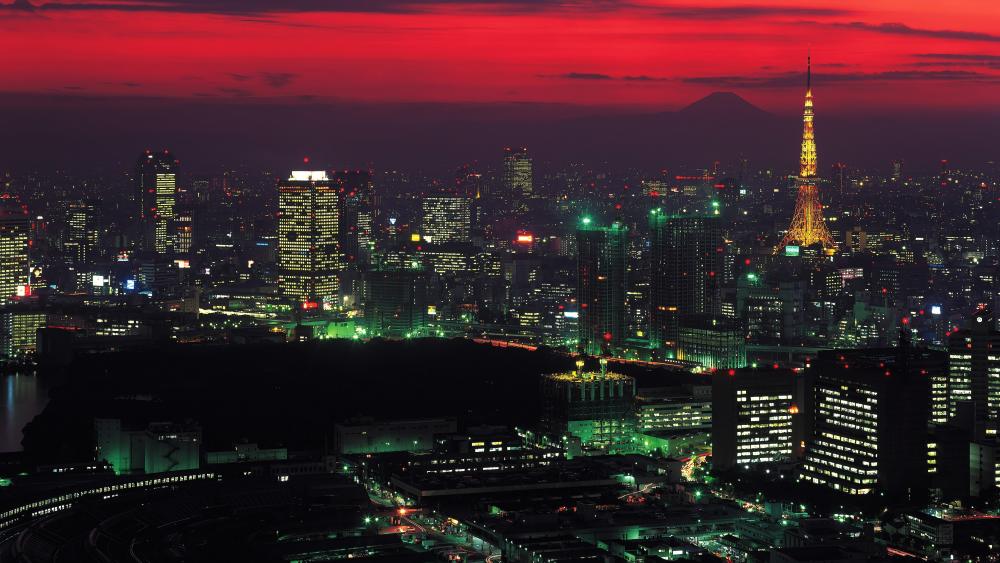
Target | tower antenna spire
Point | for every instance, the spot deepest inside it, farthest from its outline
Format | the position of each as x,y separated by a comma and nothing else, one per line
809,71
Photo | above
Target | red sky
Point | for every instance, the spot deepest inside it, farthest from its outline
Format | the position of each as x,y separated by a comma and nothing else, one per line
649,53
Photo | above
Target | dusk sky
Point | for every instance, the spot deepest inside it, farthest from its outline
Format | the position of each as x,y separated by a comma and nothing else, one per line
642,53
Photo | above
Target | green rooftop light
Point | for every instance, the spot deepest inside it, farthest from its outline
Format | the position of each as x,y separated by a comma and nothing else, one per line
585,220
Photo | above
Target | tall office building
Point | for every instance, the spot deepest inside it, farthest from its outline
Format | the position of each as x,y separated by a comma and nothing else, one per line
755,417
357,215
156,183
183,231
446,219
81,240
518,177
15,234
308,249
972,395
601,286
686,263
871,410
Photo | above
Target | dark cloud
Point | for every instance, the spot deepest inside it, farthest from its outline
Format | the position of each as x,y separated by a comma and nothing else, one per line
894,28
252,8
957,60
234,92
749,11
584,76
639,78
278,79
257,7
602,77
240,77
973,57
790,79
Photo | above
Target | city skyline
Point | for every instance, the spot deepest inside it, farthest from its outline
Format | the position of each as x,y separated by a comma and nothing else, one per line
518,281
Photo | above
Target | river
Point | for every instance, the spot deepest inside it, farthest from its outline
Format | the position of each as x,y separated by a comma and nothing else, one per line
22,396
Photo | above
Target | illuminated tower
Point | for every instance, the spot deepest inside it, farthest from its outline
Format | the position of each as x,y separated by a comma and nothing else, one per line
808,228
156,182
308,249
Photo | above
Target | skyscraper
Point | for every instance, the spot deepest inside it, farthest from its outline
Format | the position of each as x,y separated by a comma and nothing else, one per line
183,231
446,218
686,263
156,183
870,417
308,249
601,286
808,227
15,229
357,214
973,388
81,239
517,172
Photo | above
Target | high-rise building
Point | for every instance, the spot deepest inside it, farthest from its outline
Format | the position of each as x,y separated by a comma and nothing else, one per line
870,416
686,263
755,417
971,398
396,302
601,286
808,228
446,219
15,235
81,240
518,177
308,238
183,231
357,215
156,183
595,408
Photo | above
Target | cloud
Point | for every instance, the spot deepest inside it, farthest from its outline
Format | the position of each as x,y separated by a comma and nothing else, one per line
234,92
790,79
642,78
278,79
258,7
240,77
582,76
957,60
252,8
749,11
602,77
895,28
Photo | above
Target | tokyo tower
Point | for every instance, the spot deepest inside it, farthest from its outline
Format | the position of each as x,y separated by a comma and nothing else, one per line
808,227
